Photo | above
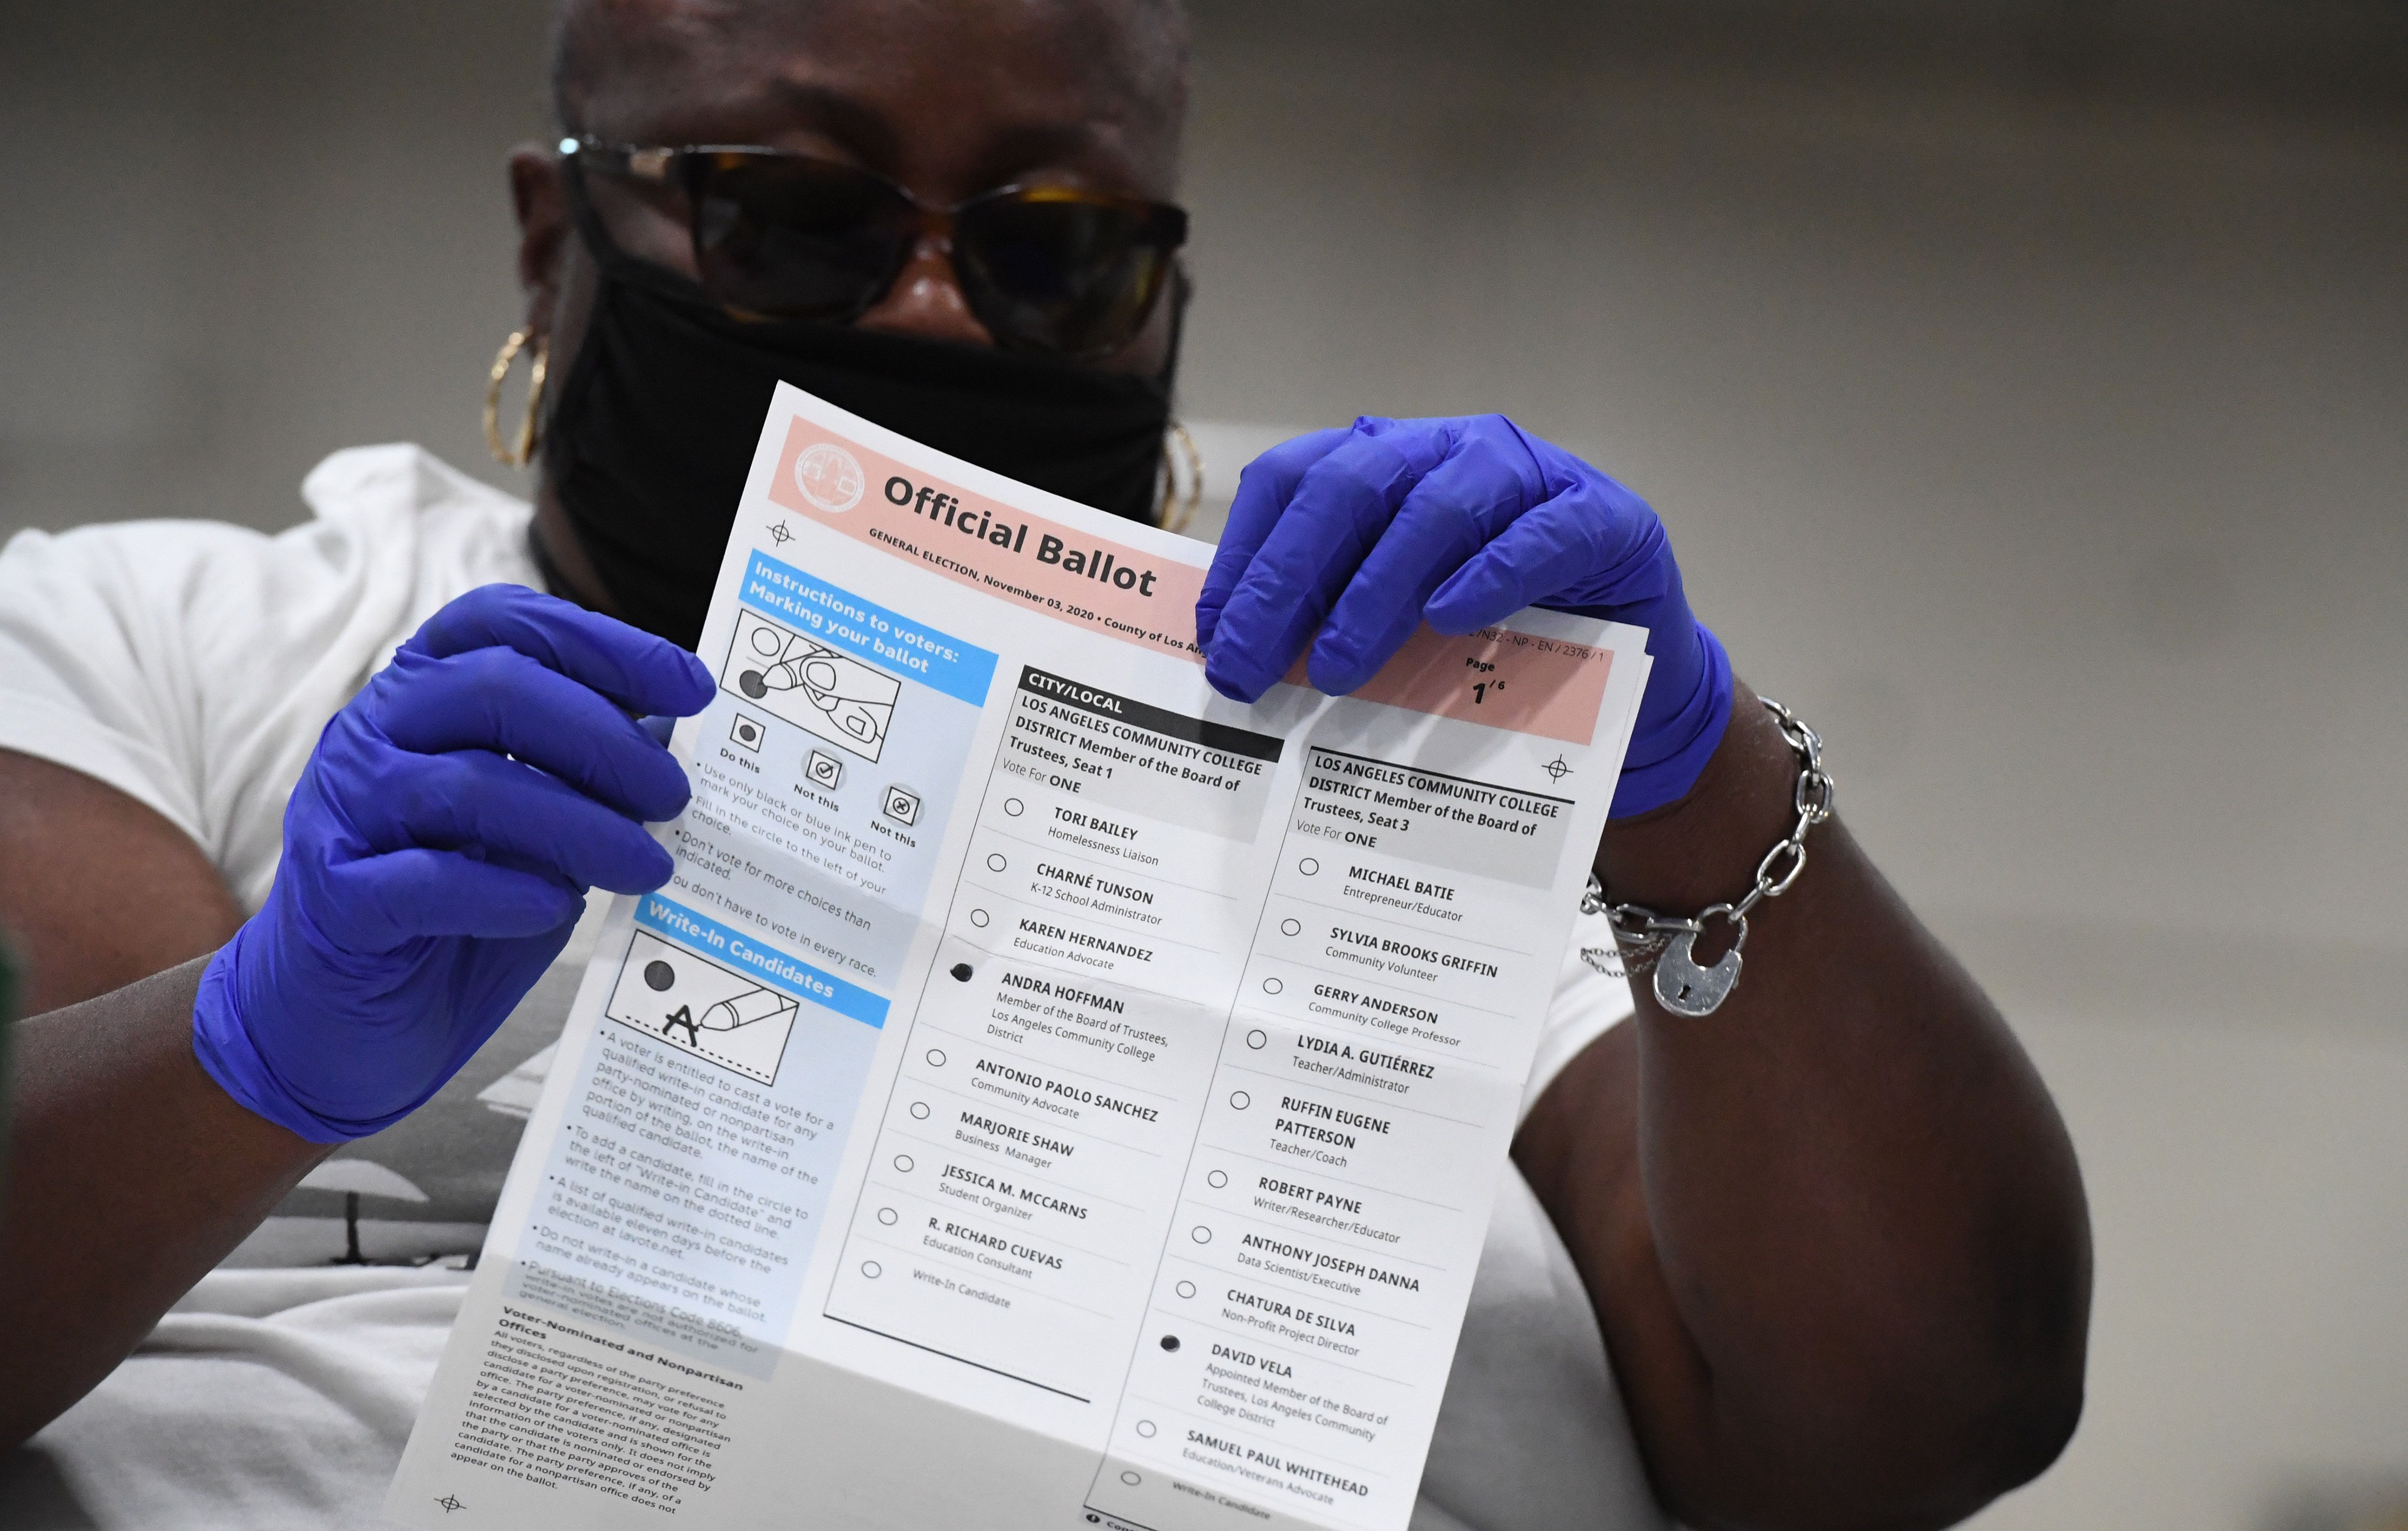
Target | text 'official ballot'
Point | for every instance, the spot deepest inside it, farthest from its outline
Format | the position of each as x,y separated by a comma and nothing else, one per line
1048,1093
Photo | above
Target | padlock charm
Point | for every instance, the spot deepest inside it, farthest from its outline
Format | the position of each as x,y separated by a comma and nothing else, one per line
1684,988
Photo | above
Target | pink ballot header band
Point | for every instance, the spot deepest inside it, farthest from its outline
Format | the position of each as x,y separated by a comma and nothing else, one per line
1066,574
1516,681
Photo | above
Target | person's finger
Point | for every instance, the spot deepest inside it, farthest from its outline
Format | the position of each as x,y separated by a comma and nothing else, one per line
1614,540
1340,505
629,665
507,813
1485,481
499,699
505,979
1263,489
377,902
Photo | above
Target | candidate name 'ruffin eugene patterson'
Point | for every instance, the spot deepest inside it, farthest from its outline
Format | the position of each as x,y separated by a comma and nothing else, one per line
943,509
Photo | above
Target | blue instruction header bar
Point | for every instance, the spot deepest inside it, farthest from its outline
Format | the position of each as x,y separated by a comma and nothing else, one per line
867,630
789,975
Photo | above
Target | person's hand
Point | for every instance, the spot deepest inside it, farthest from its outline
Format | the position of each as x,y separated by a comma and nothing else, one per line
1350,539
436,854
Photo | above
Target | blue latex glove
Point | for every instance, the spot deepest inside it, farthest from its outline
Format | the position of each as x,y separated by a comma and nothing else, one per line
428,877
1350,539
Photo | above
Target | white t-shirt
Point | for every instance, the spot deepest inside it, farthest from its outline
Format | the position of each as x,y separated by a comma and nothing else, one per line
192,665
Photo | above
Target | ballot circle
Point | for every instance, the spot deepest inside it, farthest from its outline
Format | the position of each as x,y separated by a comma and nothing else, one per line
829,476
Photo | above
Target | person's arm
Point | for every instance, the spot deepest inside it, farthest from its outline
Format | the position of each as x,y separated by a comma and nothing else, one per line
1833,1232
436,855
97,889
131,1174
111,1215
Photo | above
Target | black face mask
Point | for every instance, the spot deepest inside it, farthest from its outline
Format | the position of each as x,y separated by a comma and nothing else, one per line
651,437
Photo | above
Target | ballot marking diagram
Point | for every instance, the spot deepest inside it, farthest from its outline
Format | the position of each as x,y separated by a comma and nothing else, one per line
698,1007
846,701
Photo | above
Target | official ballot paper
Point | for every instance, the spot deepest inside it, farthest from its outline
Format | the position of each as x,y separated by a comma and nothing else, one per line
1048,1093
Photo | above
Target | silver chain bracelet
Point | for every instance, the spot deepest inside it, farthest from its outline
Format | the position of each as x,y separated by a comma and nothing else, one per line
1644,938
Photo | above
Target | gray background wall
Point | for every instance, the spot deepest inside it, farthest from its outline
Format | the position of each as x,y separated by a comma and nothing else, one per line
2022,382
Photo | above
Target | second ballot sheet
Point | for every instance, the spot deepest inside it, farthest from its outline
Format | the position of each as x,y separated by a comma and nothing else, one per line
1048,1093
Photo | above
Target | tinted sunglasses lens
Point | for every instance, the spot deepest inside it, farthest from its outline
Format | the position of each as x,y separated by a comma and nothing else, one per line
796,238
1077,279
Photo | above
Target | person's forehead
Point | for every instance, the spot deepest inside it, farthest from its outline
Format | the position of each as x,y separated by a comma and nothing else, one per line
942,91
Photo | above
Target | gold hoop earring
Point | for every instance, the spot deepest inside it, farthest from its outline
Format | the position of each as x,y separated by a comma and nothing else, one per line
1178,433
522,451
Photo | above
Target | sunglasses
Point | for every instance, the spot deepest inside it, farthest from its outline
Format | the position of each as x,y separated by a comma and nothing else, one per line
1045,268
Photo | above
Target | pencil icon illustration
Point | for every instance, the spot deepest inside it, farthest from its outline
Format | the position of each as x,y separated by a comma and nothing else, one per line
744,1009
814,674
833,694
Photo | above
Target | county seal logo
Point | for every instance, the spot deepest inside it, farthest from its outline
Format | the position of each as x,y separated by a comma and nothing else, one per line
829,476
